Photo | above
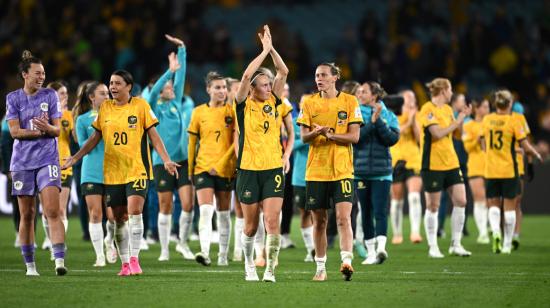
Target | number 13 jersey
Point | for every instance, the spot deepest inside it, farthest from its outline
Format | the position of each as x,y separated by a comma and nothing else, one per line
501,133
259,125
127,157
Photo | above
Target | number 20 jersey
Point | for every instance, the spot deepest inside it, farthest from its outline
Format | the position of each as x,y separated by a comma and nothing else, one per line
127,156
501,133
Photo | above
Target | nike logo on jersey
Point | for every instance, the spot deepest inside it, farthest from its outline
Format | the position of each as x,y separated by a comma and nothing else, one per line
314,116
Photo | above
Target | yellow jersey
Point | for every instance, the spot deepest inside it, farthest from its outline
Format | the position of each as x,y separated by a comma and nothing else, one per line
471,134
437,155
214,127
259,127
123,127
521,118
328,161
64,140
407,148
501,133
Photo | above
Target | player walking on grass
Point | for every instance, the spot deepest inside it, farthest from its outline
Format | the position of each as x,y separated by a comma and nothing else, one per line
473,132
260,167
212,165
124,123
440,167
330,122
33,116
373,169
406,172
501,132
85,112
174,116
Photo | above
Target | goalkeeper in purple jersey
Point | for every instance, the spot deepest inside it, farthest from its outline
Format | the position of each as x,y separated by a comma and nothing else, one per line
33,115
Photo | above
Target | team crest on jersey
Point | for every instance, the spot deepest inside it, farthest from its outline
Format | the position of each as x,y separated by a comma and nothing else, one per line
44,107
228,121
65,123
267,109
132,120
18,185
342,115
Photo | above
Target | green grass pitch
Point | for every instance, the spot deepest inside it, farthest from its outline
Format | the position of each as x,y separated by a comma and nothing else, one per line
408,278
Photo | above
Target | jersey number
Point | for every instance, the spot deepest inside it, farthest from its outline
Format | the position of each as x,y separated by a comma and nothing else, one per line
140,184
278,180
121,138
266,127
218,133
54,172
495,139
346,186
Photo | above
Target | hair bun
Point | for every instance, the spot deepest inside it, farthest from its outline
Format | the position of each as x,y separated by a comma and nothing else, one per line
26,55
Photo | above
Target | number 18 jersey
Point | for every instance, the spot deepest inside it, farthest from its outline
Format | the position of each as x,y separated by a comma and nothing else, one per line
127,157
501,133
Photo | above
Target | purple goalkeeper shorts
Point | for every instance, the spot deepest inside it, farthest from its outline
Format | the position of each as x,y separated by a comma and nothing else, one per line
31,182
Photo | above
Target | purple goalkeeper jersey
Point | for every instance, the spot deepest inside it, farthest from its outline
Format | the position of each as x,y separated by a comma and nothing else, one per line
35,153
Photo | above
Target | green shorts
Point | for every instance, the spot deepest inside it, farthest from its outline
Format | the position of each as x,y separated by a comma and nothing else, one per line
255,186
319,194
89,189
402,174
166,182
205,180
117,195
66,180
502,188
299,200
436,181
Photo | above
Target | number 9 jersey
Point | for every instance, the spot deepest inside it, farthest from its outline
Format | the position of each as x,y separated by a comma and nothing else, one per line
259,125
501,133
127,157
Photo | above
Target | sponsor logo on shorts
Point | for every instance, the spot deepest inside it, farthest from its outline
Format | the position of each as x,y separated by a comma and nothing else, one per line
360,185
18,185
347,196
311,200
162,183
434,184
200,180
108,198
44,106
297,199
90,186
278,190
247,194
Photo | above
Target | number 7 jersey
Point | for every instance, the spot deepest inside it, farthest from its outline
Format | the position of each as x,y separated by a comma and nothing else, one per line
501,133
127,157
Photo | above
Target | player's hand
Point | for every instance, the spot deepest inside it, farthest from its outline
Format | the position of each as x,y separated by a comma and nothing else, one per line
213,172
69,162
286,164
376,112
265,38
172,168
174,64
41,124
174,40
466,111
320,130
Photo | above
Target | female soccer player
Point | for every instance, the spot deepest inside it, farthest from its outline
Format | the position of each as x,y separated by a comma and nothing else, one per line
473,132
33,116
260,167
85,111
166,102
301,150
64,140
406,172
124,123
373,169
212,165
501,132
440,167
330,122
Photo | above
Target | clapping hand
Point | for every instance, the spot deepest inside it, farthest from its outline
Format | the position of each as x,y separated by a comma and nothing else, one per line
174,40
